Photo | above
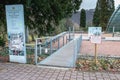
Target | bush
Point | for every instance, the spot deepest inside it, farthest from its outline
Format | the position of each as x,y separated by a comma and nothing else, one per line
2,42
104,64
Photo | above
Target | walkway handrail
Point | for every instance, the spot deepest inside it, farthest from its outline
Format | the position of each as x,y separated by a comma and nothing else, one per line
48,41
65,56
77,45
59,35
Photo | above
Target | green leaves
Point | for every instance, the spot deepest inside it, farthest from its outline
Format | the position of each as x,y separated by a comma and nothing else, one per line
2,42
102,13
43,15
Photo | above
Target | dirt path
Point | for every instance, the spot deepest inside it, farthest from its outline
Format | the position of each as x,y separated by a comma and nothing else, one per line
111,48
108,48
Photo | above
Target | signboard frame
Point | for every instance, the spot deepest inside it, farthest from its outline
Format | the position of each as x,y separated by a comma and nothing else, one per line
95,34
95,37
16,33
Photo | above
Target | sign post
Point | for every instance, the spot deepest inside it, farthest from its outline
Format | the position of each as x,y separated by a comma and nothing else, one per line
96,53
16,33
95,37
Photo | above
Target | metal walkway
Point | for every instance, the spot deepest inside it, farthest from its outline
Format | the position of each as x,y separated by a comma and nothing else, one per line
64,57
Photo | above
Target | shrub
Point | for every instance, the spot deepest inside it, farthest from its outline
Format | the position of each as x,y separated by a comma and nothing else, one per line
104,64
2,42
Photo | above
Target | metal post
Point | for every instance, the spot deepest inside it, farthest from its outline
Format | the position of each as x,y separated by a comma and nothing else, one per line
50,46
69,33
58,42
40,48
75,52
80,40
95,53
78,45
63,40
73,32
113,31
66,39
36,52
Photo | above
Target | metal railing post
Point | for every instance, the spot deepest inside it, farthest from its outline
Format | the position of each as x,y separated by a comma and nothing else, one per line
66,39
63,40
50,46
75,52
58,42
77,43
40,48
36,52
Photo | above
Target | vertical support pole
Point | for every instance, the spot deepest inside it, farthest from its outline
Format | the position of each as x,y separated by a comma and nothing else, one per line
50,46
78,45
73,32
58,42
95,53
66,39
75,52
69,33
63,40
40,48
36,52
113,31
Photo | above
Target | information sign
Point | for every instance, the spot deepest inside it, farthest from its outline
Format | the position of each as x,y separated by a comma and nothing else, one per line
95,34
16,33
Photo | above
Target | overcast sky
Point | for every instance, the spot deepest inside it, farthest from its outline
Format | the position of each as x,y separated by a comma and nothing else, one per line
91,4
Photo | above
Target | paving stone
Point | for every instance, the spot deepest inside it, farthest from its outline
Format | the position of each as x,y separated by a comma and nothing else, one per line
12,73
107,79
79,78
73,77
93,78
100,79
118,76
59,78
39,78
67,78
61,75
52,78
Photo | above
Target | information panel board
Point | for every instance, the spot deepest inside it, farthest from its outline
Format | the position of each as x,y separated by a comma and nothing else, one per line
95,34
16,33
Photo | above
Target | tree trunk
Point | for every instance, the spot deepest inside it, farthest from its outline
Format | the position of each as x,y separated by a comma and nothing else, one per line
39,35
32,35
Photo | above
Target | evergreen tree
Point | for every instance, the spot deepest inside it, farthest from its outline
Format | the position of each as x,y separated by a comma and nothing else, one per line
42,15
83,18
96,16
103,11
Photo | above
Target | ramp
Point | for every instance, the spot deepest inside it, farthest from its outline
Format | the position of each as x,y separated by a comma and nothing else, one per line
65,56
